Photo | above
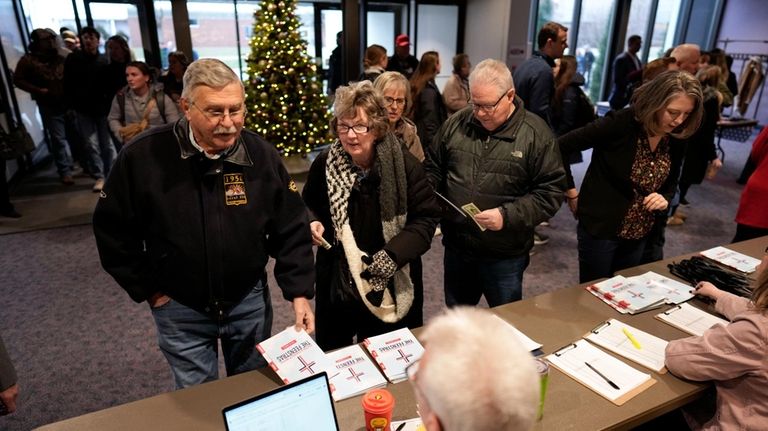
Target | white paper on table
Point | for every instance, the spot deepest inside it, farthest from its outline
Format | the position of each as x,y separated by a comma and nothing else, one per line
610,335
572,361
526,341
675,291
690,319
732,259
408,425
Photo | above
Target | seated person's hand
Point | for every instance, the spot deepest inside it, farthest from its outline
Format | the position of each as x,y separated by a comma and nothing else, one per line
707,290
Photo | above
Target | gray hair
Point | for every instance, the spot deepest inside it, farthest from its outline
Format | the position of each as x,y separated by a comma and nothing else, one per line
501,394
356,95
208,72
394,79
492,72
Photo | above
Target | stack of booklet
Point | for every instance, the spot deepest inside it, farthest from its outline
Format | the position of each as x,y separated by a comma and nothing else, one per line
640,293
353,373
394,351
732,259
294,355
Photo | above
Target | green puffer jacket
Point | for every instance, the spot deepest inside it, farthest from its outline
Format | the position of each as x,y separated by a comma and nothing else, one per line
516,168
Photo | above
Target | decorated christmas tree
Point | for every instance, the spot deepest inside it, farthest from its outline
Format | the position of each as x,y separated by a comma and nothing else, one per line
285,99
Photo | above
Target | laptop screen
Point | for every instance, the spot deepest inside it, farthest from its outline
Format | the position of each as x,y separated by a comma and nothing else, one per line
278,410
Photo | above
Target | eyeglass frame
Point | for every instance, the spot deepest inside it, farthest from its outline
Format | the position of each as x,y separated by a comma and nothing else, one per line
347,128
389,101
488,109
218,116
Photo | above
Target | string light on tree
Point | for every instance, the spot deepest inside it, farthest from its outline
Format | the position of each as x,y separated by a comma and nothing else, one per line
283,91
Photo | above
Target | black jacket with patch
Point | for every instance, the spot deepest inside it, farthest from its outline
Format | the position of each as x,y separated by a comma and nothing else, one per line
167,222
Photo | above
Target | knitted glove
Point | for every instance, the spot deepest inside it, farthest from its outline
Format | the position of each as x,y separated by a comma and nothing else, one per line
379,265
376,295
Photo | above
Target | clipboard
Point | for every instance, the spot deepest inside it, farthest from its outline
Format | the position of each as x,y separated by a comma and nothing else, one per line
690,319
569,360
610,335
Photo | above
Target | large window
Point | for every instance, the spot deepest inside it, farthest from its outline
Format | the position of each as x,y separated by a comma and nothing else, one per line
119,19
592,42
166,35
663,36
559,11
639,16
437,30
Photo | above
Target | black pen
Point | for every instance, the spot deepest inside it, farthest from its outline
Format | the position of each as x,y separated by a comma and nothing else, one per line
613,385
402,425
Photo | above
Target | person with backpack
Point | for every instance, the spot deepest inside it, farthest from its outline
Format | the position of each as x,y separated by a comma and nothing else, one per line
571,108
140,105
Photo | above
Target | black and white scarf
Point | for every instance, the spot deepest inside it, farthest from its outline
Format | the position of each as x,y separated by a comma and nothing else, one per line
341,175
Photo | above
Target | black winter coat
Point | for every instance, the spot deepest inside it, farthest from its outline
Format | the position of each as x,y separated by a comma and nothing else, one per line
429,112
607,192
365,220
163,223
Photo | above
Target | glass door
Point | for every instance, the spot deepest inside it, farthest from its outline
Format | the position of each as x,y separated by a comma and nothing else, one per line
134,20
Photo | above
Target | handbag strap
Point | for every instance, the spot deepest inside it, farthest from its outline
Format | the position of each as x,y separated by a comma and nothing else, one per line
151,104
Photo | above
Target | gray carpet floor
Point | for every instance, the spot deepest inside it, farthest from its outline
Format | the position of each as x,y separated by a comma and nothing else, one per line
80,344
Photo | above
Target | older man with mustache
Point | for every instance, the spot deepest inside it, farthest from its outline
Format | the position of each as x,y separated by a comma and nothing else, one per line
187,221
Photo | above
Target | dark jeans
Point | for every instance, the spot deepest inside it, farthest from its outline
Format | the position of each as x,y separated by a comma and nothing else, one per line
55,123
189,339
467,278
744,232
601,258
5,199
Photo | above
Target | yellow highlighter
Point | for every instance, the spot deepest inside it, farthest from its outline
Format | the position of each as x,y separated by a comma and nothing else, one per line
632,338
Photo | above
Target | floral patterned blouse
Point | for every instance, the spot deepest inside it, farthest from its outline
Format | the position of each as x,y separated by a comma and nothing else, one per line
649,171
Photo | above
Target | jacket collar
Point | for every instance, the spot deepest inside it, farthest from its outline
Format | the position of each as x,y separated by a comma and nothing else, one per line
550,61
508,129
237,153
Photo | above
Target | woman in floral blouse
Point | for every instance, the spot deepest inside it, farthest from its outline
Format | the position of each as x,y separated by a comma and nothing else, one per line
633,173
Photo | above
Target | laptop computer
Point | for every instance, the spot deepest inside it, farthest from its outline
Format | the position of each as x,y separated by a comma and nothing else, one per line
302,405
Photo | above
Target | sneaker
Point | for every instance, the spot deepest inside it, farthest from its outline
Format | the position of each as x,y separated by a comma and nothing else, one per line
684,202
675,221
67,180
539,238
544,223
10,214
99,185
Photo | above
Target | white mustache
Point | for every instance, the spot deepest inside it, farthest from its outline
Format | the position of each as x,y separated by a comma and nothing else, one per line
221,130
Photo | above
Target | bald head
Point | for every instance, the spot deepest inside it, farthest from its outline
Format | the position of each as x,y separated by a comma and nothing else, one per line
687,56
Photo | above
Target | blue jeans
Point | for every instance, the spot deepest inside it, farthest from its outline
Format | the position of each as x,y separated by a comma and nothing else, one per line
467,278
188,338
601,258
99,148
55,123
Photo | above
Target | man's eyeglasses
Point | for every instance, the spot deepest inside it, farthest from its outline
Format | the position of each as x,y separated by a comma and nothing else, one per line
488,109
217,115
388,101
359,129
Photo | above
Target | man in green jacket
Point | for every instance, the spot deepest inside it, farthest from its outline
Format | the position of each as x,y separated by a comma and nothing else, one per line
501,165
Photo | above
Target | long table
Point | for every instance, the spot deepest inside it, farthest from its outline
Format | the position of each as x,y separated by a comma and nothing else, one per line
553,319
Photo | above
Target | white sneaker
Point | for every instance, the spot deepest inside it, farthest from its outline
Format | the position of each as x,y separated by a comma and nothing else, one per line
99,185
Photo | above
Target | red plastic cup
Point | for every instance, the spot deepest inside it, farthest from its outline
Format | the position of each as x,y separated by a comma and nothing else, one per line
378,405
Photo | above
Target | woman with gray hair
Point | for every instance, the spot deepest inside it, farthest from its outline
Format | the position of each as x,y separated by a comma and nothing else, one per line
396,91
634,171
374,213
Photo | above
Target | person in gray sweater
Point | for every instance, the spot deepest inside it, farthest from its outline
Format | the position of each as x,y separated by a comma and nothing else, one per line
139,106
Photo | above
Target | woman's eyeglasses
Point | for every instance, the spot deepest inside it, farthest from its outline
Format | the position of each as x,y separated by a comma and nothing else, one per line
357,128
